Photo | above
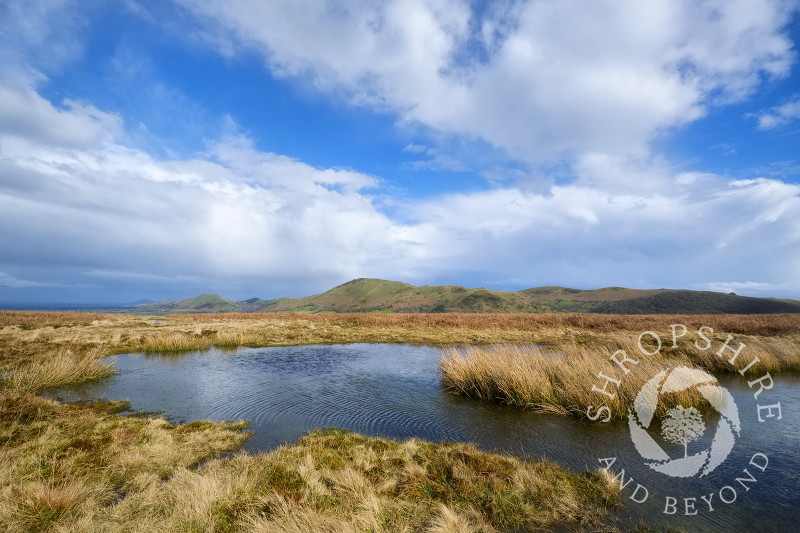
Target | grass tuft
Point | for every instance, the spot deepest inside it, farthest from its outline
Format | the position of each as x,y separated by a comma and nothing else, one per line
337,481
559,380
62,368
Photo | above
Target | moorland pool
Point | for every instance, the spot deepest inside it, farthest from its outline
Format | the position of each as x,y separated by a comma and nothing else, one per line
395,391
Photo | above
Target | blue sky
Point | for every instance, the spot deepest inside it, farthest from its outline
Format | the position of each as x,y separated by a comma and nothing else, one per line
163,149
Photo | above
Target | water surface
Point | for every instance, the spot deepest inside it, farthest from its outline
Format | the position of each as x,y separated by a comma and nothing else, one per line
395,391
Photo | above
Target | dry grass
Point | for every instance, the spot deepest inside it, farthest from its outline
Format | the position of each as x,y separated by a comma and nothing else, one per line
335,481
774,324
61,462
44,318
26,336
63,368
83,468
560,379
87,468
543,381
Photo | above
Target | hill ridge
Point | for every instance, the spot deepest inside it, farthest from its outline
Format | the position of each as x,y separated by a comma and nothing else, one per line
378,295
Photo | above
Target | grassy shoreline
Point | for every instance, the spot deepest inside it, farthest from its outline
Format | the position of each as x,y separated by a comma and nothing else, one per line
23,334
88,468
85,468
559,379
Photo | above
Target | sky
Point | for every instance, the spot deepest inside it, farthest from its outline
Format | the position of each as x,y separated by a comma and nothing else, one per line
162,149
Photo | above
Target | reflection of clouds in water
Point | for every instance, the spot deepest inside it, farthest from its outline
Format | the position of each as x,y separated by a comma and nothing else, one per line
394,391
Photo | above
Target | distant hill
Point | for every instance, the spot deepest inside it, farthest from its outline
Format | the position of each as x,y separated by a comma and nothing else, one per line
376,295
205,303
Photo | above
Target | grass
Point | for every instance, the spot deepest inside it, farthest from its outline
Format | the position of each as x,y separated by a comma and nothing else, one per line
63,368
25,336
560,379
336,481
59,463
89,468
540,381
771,324
86,468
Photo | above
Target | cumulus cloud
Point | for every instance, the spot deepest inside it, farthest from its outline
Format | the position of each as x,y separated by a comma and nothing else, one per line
235,212
232,212
23,112
540,79
779,115
702,228
76,200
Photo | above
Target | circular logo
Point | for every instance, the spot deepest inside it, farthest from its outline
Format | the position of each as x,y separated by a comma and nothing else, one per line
682,425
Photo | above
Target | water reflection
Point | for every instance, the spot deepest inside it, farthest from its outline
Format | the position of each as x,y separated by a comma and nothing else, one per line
395,391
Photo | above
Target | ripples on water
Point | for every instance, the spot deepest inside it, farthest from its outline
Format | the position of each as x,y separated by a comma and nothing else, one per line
394,391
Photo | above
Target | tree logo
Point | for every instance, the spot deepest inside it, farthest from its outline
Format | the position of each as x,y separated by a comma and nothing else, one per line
682,425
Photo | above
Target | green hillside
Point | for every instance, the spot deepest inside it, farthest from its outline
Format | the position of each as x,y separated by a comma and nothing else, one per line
376,295
204,303
364,295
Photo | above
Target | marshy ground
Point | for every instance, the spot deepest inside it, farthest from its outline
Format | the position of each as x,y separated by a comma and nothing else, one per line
89,468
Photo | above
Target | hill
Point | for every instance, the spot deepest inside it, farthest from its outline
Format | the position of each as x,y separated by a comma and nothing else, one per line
376,295
204,303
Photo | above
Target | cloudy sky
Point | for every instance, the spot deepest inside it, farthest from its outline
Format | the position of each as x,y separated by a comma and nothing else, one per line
161,149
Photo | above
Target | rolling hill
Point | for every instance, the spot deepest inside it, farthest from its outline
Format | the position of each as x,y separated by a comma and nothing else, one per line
376,295
204,303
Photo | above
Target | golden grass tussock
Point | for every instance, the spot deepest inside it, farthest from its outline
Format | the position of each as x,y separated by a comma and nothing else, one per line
85,468
61,368
60,463
545,381
560,379
337,481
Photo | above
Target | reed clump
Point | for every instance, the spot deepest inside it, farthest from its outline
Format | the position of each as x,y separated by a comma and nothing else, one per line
61,368
560,379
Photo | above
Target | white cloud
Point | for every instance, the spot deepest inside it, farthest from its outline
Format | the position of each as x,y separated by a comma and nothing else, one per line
24,113
38,37
235,211
779,115
415,148
118,215
706,228
551,78
749,287
75,197
435,161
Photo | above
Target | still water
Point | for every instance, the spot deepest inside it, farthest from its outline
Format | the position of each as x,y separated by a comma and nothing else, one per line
395,391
